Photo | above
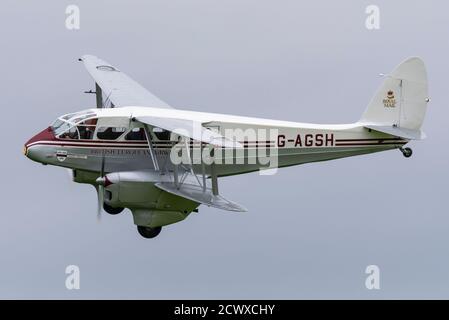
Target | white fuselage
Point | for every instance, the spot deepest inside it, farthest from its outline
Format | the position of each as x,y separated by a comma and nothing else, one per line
293,143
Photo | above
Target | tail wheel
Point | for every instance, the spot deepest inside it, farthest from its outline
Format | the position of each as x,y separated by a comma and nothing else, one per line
112,210
148,232
407,152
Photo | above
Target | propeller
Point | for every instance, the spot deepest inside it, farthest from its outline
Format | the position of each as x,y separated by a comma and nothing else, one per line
100,191
71,174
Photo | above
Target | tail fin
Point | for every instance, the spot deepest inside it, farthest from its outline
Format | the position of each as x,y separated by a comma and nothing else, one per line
400,104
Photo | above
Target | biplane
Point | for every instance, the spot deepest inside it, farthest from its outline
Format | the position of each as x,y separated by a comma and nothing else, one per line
162,163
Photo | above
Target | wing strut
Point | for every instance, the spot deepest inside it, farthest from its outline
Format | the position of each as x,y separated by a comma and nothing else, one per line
213,174
187,183
203,169
150,147
98,95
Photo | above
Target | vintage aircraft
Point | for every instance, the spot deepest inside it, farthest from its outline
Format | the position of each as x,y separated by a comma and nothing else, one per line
162,163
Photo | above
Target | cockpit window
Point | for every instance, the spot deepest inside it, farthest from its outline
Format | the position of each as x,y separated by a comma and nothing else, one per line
72,133
78,116
59,126
110,133
86,129
80,125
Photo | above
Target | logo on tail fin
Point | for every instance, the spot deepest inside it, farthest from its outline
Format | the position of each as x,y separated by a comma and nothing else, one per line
389,101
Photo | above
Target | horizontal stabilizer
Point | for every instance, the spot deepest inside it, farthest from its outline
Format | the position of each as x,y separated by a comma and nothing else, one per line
195,193
405,133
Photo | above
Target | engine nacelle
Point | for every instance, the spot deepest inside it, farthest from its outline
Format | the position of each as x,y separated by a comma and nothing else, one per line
150,205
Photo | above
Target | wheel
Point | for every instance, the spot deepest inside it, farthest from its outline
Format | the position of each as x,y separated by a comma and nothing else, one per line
112,210
407,152
148,232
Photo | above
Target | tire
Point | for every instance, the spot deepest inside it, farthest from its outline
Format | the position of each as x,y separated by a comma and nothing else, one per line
148,232
112,210
407,152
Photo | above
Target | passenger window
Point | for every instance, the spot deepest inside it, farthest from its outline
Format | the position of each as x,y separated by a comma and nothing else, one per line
136,134
161,134
110,133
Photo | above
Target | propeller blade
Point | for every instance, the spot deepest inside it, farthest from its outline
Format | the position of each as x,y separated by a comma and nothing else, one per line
100,201
100,190
70,174
102,166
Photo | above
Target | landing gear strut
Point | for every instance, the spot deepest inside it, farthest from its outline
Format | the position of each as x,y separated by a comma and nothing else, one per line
112,210
148,232
407,152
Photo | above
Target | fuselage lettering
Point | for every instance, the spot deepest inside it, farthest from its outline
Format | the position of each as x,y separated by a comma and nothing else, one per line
307,140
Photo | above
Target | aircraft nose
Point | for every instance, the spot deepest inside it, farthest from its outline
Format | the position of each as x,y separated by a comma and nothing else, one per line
31,146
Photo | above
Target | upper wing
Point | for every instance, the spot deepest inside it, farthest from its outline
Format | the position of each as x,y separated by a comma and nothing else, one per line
117,87
190,129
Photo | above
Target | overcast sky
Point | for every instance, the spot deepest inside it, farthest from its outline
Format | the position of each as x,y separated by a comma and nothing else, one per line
310,231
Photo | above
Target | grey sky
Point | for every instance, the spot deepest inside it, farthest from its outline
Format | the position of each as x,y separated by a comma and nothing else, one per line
310,230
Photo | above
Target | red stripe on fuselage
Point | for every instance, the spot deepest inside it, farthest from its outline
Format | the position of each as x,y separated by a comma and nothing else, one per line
125,145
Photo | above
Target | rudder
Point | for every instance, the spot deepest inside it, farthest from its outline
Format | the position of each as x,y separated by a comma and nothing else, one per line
401,101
